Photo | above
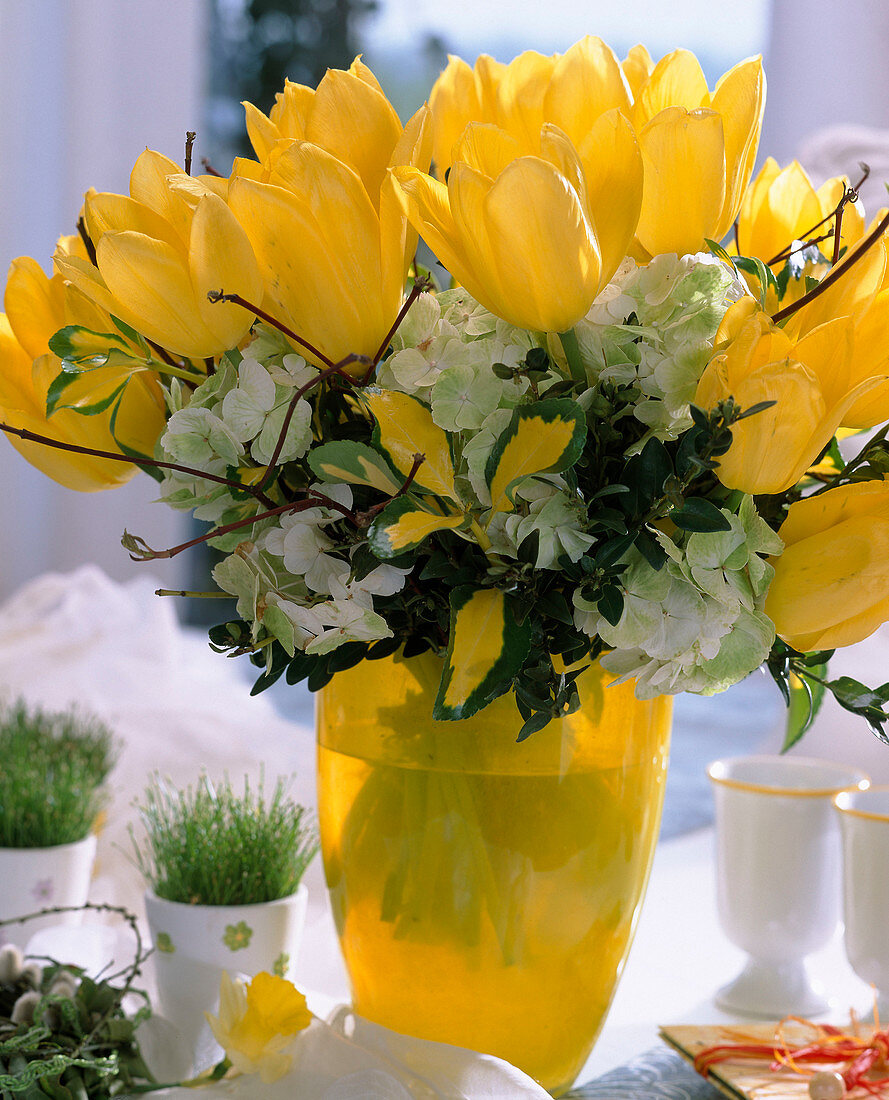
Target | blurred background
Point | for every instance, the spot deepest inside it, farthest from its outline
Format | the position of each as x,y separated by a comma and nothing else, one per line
86,85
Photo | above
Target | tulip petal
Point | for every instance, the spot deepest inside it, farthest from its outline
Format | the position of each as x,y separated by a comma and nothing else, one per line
453,102
614,176
521,94
846,296
676,81
398,238
34,305
486,148
221,258
683,158
263,133
150,284
149,184
291,109
637,67
586,82
320,260
740,98
106,212
541,246
354,121
428,207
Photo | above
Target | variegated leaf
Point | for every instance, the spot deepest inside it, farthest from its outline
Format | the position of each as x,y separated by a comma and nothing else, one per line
405,428
355,464
485,651
545,437
402,525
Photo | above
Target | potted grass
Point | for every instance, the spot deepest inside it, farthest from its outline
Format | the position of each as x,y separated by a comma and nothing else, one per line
54,765
223,870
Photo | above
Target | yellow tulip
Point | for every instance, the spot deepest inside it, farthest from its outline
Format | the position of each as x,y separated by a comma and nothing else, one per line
36,308
258,1022
332,259
698,148
831,584
781,204
570,90
533,238
156,264
808,380
348,116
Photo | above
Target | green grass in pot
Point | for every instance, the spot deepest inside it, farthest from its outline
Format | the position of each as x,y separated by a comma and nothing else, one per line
51,776
211,845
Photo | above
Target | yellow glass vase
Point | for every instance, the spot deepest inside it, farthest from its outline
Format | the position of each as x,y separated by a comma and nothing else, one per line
486,891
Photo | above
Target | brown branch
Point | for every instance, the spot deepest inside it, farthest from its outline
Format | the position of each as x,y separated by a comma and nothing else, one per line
143,551
869,241
849,195
416,290
87,243
236,299
366,518
162,352
93,452
335,368
190,135
209,169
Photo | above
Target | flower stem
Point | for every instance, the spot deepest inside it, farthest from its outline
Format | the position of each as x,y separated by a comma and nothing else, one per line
572,354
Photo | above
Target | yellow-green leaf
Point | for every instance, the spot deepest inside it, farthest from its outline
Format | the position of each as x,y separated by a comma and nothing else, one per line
485,651
405,428
402,525
545,437
355,464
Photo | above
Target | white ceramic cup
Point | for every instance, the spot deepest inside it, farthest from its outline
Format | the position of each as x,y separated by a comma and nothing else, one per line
864,824
778,875
195,943
39,878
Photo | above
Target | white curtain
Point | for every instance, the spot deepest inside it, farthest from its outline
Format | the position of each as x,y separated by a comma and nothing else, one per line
85,86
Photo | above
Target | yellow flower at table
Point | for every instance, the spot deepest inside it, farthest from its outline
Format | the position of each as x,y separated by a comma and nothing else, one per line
698,148
533,237
155,264
258,1022
831,584
36,308
808,380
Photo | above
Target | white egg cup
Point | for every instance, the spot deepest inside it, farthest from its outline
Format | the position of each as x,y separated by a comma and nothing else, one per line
864,824
778,875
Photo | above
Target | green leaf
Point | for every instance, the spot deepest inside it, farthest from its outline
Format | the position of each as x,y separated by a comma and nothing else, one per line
355,464
718,250
753,265
697,514
402,526
486,649
545,437
74,342
645,475
806,697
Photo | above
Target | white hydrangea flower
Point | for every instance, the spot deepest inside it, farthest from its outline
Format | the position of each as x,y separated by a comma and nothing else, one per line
558,522
255,410
197,437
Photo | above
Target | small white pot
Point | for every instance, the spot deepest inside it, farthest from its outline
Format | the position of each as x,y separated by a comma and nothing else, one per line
38,878
194,944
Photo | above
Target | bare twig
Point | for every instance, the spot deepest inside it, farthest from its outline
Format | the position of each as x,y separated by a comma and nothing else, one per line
190,135
236,299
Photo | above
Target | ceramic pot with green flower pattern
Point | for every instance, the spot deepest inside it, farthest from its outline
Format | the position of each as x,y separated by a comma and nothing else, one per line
195,943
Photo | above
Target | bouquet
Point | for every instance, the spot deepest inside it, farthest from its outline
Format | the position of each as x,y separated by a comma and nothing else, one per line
603,423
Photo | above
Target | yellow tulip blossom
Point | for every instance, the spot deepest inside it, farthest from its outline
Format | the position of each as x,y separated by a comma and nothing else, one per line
347,115
782,204
155,264
809,381
37,307
698,148
258,1022
570,90
831,584
333,261
533,238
